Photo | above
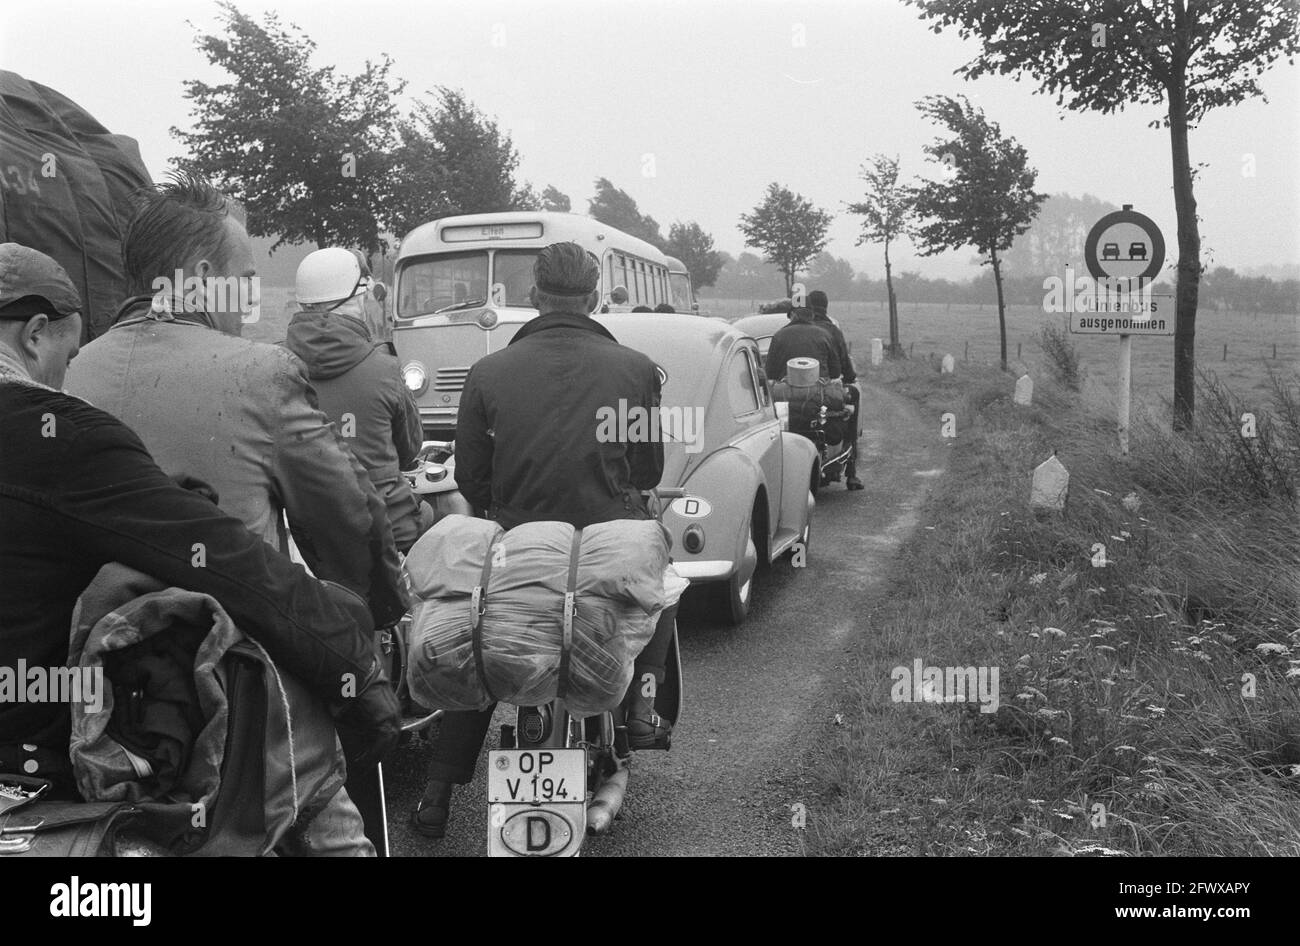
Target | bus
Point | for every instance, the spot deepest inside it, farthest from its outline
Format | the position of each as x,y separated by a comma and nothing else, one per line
462,292
681,294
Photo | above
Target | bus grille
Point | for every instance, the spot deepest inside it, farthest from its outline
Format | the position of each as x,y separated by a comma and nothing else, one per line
450,379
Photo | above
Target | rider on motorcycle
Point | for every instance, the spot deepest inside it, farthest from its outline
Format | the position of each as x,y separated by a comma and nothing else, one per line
358,382
527,449
801,338
818,302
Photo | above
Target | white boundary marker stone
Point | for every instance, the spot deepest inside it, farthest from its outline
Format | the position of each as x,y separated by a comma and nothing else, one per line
1024,390
877,351
1050,485
948,364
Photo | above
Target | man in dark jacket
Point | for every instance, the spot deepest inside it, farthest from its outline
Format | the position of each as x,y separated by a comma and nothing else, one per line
818,302
358,383
528,449
800,338
78,490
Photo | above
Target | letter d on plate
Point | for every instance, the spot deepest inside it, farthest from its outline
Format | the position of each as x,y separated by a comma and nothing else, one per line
691,507
537,832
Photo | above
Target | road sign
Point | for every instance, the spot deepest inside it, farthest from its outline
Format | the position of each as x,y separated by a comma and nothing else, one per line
1132,251
1124,314
1125,245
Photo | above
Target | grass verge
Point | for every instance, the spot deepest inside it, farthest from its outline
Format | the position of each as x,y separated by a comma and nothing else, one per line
1146,642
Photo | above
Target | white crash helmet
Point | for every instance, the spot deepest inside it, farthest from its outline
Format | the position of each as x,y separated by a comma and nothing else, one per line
330,275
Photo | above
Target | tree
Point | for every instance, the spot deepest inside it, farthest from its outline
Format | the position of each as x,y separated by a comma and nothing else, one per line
453,160
1056,237
614,207
832,275
788,229
1190,55
553,200
886,212
690,244
986,197
305,150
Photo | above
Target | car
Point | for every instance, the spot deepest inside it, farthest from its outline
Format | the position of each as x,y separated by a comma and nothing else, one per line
748,482
1137,251
1110,251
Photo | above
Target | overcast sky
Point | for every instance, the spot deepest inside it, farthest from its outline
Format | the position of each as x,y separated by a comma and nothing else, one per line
721,94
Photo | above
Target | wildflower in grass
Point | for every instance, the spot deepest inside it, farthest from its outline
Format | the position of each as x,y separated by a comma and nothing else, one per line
1038,579
1059,741
1106,647
1267,650
1054,631
1125,749
1132,503
1156,710
1036,801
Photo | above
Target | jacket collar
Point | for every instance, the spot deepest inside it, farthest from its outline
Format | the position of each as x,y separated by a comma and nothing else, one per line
550,320
142,307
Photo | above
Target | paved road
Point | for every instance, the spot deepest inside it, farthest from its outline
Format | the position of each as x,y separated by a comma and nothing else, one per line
755,695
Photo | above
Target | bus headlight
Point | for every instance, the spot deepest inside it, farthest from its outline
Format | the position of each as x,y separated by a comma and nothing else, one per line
415,377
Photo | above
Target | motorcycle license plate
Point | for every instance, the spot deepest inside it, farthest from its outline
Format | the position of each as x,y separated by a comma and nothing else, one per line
536,802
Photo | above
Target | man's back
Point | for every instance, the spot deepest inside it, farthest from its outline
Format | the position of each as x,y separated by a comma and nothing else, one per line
241,416
541,398
801,340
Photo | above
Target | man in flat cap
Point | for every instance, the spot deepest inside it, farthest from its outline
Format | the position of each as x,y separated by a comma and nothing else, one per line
78,490
527,449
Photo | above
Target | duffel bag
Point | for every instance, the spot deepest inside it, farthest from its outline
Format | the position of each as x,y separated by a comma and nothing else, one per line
542,611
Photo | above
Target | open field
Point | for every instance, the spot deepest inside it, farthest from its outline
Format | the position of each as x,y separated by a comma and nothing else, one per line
945,329
941,329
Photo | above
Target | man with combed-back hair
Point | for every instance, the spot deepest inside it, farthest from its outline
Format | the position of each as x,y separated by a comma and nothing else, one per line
238,414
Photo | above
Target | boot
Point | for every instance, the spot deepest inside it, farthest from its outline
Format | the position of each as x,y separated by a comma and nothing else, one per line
646,729
851,477
431,814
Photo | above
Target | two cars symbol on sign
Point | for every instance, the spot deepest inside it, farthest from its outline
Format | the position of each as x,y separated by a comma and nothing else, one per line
1138,232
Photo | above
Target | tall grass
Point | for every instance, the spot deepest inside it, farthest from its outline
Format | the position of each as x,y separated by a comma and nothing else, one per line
1150,705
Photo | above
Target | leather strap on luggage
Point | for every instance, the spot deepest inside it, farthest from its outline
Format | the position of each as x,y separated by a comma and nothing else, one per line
570,611
478,604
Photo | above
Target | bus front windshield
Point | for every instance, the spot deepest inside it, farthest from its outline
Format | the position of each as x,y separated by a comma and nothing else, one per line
449,279
680,284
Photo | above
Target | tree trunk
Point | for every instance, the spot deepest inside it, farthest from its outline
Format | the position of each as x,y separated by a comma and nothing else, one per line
1002,309
1189,260
895,348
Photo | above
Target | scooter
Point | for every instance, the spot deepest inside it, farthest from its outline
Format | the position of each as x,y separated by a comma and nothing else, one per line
556,778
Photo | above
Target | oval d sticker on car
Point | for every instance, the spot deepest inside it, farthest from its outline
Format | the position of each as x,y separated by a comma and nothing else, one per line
691,507
538,832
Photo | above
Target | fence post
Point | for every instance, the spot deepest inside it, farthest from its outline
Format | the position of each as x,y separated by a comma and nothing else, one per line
1225,351
966,356
913,345
1017,351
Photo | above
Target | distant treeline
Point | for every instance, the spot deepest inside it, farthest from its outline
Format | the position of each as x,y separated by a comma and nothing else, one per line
748,277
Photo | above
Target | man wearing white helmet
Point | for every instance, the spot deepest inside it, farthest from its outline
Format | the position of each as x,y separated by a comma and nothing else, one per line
358,383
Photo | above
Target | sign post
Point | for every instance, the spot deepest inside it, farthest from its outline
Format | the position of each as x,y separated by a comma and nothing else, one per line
1132,253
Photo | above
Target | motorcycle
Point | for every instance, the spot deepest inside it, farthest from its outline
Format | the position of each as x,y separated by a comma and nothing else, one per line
833,430
556,778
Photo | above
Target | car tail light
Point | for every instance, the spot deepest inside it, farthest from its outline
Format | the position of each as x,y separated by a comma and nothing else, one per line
693,539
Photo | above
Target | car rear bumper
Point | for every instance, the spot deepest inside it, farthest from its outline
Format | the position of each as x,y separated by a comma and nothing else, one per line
705,569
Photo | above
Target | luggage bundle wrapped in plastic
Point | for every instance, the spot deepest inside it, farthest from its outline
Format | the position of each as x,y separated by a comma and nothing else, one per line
541,611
